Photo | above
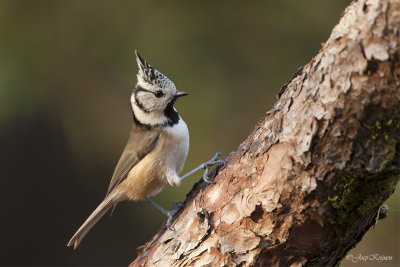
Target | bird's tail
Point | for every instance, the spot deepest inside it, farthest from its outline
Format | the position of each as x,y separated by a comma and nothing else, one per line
96,215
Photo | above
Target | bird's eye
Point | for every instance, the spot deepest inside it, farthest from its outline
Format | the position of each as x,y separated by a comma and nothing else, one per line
159,94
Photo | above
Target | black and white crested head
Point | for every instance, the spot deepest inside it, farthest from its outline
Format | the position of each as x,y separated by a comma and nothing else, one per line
149,76
153,97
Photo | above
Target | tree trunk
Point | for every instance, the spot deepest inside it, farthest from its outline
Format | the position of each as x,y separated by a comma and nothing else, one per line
309,181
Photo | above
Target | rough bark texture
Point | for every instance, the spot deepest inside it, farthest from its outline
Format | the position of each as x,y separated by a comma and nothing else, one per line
309,180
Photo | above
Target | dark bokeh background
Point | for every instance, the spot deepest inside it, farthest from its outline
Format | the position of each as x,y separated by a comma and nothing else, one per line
66,72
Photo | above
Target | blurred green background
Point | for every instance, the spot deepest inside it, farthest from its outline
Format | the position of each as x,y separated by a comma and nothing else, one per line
67,69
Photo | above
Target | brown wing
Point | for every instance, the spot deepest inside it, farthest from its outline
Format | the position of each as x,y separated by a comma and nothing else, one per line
140,143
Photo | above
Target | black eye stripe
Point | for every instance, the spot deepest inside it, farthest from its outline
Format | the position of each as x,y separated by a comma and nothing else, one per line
157,94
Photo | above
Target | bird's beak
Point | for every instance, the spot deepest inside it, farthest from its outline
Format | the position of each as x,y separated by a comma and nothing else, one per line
180,93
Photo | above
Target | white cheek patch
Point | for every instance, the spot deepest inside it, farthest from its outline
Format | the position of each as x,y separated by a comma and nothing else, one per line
151,118
148,102
142,100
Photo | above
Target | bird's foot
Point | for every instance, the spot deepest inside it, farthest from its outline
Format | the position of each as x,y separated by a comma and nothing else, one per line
214,161
171,213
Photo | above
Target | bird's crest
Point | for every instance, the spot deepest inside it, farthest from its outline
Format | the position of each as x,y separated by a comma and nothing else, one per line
150,75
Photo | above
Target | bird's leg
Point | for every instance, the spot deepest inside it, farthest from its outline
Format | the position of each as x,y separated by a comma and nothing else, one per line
206,166
169,213
177,205
113,208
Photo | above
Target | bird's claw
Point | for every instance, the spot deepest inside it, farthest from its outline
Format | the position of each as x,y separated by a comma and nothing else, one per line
171,213
212,162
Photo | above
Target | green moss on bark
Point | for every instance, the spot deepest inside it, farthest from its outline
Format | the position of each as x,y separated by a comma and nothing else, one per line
359,192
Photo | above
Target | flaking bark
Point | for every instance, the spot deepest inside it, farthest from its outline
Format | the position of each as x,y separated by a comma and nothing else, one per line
308,182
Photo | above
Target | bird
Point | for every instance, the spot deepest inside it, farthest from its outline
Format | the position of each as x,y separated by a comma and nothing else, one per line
156,150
